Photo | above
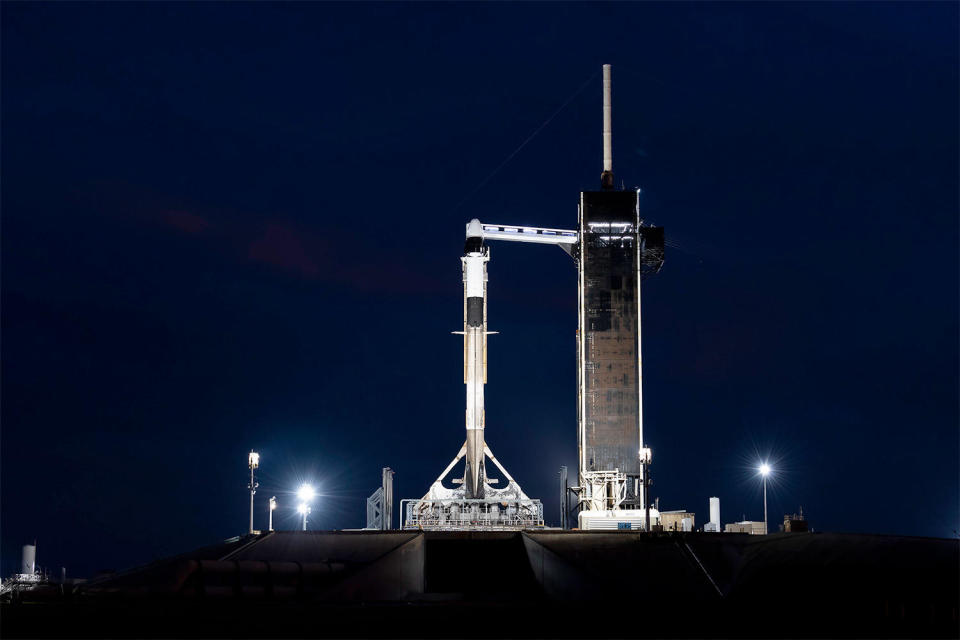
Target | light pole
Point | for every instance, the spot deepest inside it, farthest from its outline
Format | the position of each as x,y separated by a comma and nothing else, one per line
306,494
253,461
764,472
273,507
304,510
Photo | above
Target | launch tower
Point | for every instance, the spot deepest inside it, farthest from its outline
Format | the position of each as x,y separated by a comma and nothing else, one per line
616,250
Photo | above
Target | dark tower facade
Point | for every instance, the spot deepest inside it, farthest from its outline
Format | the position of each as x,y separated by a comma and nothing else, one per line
616,250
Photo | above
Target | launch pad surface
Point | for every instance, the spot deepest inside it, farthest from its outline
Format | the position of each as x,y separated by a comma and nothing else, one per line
529,584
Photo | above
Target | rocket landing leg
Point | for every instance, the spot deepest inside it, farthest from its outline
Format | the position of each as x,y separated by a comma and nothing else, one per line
443,508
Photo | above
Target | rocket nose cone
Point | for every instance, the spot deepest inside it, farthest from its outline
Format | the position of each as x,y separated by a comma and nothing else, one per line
474,229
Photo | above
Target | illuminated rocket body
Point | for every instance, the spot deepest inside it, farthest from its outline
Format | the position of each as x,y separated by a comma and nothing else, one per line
476,501
475,334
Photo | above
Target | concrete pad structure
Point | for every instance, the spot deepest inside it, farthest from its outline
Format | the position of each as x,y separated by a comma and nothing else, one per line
531,584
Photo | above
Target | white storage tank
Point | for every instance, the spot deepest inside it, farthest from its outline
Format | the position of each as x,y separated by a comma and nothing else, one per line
29,561
715,511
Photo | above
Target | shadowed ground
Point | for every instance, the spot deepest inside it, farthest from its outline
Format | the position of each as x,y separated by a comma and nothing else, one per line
513,584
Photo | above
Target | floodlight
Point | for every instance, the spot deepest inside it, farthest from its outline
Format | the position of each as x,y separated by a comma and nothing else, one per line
253,459
306,493
304,510
764,469
273,503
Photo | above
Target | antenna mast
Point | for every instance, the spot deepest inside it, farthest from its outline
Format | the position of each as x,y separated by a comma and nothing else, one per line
606,178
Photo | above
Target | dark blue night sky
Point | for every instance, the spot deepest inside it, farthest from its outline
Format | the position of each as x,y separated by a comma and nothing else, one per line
236,226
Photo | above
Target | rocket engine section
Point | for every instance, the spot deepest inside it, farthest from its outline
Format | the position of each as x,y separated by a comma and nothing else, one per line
475,258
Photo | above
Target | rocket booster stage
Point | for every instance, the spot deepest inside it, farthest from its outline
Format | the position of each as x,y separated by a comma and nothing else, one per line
475,503
474,260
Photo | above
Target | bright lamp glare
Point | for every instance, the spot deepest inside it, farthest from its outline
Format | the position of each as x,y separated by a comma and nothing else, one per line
764,469
302,508
253,459
273,503
306,493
